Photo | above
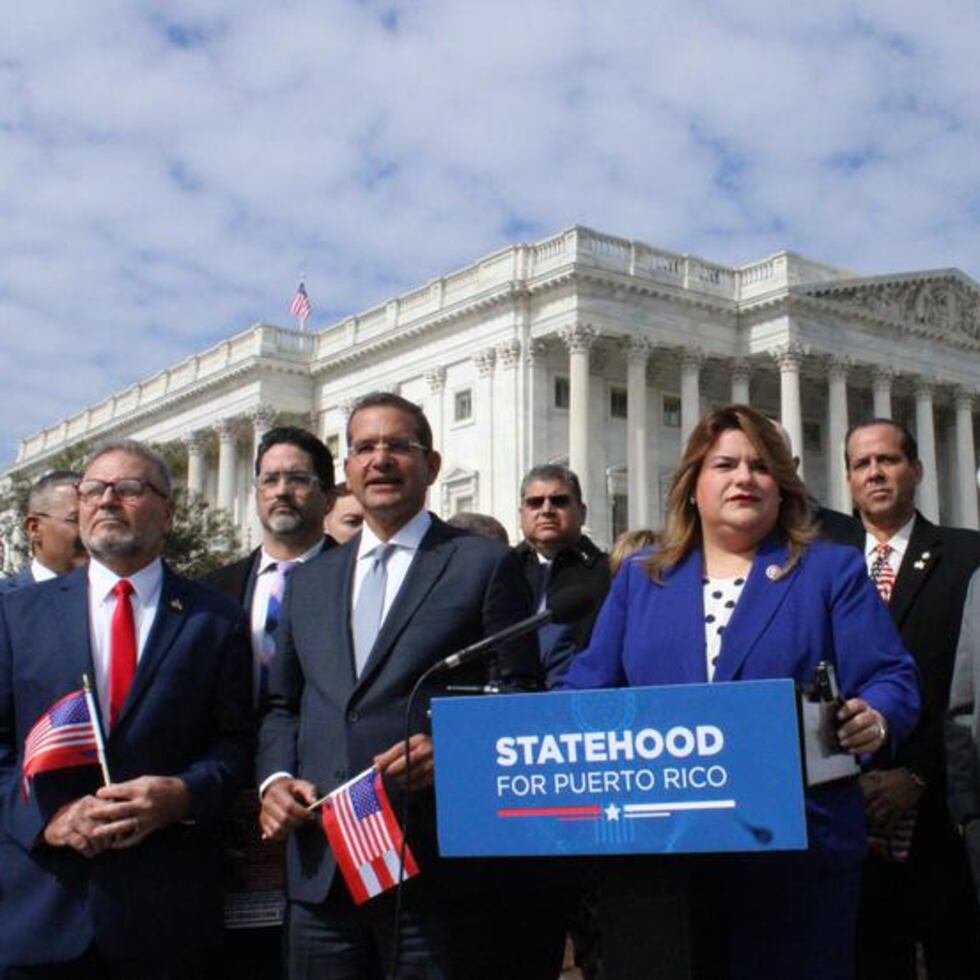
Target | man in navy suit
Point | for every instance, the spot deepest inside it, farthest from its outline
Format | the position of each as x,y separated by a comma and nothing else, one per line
52,531
338,697
916,884
121,880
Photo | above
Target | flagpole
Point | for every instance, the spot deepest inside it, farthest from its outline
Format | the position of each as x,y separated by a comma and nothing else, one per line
97,729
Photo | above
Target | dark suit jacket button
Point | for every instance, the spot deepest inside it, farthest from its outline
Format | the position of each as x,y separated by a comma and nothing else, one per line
353,716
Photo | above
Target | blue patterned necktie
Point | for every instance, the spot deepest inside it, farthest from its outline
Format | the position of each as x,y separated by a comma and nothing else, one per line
273,612
370,606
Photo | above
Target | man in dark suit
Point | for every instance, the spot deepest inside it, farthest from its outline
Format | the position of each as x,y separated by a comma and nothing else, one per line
51,526
359,627
916,883
556,555
121,880
294,483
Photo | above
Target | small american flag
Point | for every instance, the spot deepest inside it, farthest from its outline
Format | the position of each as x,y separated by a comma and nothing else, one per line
62,737
300,306
365,836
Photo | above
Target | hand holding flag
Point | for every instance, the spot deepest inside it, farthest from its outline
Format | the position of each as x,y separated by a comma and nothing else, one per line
365,836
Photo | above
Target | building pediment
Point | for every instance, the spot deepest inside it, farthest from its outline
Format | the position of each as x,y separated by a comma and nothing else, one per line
943,304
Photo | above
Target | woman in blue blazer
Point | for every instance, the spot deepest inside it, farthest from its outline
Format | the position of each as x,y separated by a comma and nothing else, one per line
738,589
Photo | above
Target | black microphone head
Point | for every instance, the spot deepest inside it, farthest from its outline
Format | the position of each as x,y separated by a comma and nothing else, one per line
570,604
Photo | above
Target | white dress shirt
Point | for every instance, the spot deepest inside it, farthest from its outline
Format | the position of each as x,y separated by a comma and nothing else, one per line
264,577
406,542
899,545
145,600
41,573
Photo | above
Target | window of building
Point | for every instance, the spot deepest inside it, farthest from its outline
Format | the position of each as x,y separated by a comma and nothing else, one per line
618,404
563,392
672,412
812,437
463,405
462,505
332,443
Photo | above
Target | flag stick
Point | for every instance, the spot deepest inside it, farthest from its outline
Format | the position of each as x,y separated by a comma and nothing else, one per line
97,729
316,803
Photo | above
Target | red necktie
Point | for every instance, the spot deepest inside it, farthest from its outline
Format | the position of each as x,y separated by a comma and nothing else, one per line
122,649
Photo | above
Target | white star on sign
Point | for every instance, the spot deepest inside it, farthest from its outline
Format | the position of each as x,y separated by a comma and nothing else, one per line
612,812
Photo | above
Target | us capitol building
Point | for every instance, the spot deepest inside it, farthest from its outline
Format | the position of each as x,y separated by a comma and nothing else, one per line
593,350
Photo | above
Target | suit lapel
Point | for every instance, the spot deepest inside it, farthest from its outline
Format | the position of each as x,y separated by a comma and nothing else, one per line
683,626
425,570
71,604
341,667
170,617
921,557
762,595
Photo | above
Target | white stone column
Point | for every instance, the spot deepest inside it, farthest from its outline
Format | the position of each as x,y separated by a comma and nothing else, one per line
263,418
741,381
881,386
637,466
195,463
507,462
537,404
579,340
838,492
789,357
226,431
966,462
435,379
484,408
691,361
925,435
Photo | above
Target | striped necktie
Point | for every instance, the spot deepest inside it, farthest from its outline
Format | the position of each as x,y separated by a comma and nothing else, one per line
882,573
273,613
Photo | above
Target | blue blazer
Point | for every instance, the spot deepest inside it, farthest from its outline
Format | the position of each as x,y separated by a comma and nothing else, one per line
325,724
23,577
824,609
188,714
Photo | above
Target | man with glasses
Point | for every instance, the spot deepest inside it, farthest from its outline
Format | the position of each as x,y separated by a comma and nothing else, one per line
359,627
294,483
555,554
121,879
52,531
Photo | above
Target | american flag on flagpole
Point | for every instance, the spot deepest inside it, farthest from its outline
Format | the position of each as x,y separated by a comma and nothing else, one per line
365,836
300,306
64,736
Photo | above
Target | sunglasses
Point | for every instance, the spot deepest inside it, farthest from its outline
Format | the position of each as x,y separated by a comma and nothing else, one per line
559,500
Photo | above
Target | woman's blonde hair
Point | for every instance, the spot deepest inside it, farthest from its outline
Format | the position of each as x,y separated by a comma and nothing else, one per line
682,528
628,544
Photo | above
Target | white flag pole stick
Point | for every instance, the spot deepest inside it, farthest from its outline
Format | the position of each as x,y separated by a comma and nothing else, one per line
97,729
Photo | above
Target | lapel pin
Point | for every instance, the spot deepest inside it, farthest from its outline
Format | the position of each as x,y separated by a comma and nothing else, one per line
176,605
772,572
919,565
925,556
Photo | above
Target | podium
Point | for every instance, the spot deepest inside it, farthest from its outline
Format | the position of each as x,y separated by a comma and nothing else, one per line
656,770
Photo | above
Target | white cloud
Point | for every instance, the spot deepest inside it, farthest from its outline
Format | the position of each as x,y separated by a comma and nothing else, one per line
168,169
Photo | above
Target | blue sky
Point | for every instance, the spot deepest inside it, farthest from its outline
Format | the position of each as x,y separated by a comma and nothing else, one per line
167,170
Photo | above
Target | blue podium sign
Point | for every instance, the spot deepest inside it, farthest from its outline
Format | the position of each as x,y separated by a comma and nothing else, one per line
685,768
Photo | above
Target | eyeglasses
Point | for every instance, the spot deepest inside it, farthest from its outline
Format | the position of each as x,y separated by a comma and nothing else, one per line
70,519
364,449
294,480
559,500
90,491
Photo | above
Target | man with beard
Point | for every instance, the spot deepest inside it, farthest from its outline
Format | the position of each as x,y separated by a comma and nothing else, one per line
52,531
294,485
120,880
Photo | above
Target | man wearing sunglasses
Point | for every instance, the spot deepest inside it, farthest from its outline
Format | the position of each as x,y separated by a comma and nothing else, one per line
555,554
52,531
120,879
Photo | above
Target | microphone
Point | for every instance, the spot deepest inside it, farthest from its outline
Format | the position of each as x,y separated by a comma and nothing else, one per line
566,606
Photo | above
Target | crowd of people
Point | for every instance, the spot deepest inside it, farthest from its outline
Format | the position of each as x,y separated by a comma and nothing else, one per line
231,706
